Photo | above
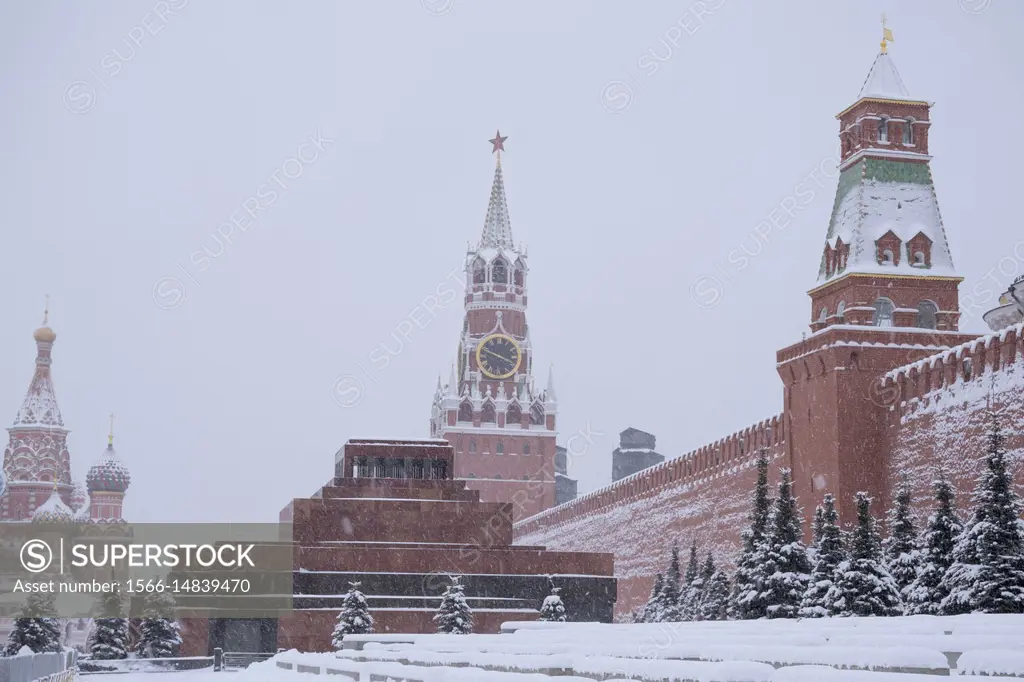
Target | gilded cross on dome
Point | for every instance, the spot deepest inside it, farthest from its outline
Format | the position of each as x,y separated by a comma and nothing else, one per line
498,143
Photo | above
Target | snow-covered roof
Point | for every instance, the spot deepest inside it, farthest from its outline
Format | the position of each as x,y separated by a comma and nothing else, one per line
876,196
884,82
53,510
40,409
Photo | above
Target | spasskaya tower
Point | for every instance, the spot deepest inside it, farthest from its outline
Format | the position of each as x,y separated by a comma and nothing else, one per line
501,425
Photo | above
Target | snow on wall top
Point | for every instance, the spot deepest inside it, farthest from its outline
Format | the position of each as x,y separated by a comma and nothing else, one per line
876,196
956,352
742,444
884,82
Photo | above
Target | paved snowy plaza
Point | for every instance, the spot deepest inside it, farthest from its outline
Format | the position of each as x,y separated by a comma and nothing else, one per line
811,650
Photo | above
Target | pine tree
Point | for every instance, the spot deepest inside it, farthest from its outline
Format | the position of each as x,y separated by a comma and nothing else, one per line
787,568
747,601
111,629
925,594
37,627
828,554
454,617
818,525
355,618
651,611
553,609
862,586
159,633
671,591
698,590
900,553
987,574
715,604
689,599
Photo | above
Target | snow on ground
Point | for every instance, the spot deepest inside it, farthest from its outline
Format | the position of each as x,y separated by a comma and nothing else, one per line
907,649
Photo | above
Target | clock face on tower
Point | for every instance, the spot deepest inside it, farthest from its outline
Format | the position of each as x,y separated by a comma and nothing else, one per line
498,356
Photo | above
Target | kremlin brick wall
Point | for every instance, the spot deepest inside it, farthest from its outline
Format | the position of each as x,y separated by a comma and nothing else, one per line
934,416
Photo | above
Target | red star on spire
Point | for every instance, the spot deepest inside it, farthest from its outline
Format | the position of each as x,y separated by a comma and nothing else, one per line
498,142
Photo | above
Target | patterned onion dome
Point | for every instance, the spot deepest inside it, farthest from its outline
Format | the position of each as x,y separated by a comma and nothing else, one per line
79,497
53,510
108,475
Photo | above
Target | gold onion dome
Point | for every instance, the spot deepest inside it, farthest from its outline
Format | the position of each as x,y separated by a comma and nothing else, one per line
44,334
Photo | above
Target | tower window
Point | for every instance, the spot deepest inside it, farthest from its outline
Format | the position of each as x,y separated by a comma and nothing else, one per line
883,130
823,315
487,413
537,414
514,415
526,448
518,275
479,272
472,444
500,448
887,257
908,131
927,315
499,272
465,411
882,316
841,311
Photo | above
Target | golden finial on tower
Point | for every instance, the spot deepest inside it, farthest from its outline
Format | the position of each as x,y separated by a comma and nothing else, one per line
886,36
46,310
110,436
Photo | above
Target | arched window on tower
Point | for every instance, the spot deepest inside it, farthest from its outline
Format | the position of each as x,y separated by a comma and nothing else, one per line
841,311
526,448
472,444
537,414
479,271
882,316
499,271
514,415
465,411
883,130
927,315
500,448
887,257
520,274
487,414
908,131
823,315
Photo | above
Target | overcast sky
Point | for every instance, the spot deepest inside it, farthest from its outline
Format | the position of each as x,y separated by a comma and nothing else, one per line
646,143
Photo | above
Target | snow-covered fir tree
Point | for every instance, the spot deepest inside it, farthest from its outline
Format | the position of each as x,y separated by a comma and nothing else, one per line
925,594
37,627
454,617
987,573
698,591
899,551
715,604
689,599
747,601
787,567
818,525
671,591
828,554
651,611
110,630
159,633
862,586
355,618
553,609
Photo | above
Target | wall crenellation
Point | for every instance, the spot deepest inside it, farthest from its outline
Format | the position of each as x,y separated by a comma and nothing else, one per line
916,385
738,450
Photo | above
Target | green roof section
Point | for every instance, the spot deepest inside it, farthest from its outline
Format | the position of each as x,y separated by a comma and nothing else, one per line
896,171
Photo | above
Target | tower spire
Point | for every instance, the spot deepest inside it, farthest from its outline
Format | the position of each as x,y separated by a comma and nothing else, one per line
110,436
497,231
